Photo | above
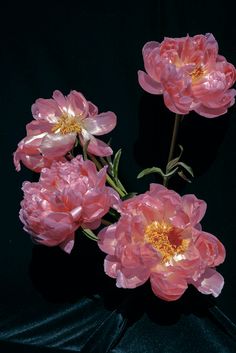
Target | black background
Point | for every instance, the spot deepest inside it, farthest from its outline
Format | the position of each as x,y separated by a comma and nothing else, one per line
50,299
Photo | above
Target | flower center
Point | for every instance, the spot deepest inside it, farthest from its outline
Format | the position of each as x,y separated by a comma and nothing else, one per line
67,124
197,72
162,237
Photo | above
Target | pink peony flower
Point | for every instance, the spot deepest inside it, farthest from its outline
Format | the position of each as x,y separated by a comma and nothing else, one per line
58,123
190,74
67,196
158,236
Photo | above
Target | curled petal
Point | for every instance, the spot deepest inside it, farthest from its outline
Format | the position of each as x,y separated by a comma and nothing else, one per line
93,109
129,278
210,248
96,146
100,124
46,109
168,286
210,282
194,208
148,84
77,104
106,239
111,266
68,244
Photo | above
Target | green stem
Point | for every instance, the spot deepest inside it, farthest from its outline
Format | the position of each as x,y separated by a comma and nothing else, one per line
109,179
89,234
178,119
105,222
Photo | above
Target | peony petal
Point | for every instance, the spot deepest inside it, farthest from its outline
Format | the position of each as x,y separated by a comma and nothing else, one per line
77,104
61,101
68,244
194,208
56,145
106,239
111,266
126,278
100,124
37,127
168,286
93,110
148,84
210,282
96,146
210,249
46,109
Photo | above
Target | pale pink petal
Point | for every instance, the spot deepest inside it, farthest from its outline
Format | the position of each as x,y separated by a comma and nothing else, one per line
194,208
148,84
100,124
56,145
96,146
60,100
210,248
78,104
168,286
46,109
174,106
37,127
106,239
131,278
111,266
210,282
93,110
68,244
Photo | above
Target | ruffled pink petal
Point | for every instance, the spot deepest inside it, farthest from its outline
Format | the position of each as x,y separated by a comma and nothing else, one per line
111,266
210,249
100,124
93,110
28,153
210,282
96,146
56,145
148,84
194,208
106,239
37,127
78,104
91,225
68,244
174,105
46,109
95,205
61,101
168,286
131,278
210,112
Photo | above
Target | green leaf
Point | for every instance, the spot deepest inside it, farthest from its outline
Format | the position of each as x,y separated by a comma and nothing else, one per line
129,196
174,161
89,234
173,171
85,149
116,162
186,167
156,170
183,176
150,171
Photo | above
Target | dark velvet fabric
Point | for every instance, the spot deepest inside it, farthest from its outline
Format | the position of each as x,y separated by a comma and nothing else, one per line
54,302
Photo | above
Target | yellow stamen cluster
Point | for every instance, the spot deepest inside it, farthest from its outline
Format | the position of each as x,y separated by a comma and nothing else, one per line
157,233
67,124
197,72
